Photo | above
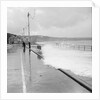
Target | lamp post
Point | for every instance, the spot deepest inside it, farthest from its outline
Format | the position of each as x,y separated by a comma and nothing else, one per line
28,15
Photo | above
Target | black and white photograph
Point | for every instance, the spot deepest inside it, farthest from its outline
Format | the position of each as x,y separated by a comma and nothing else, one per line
51,49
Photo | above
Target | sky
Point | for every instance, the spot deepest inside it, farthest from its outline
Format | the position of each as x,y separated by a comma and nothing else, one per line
50,21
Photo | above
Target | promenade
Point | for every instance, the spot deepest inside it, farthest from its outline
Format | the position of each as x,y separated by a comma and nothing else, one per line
26,73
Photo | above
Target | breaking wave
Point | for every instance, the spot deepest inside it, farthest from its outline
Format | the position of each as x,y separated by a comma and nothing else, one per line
78,62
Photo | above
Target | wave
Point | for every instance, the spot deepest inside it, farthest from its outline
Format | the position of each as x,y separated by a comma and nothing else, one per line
79,62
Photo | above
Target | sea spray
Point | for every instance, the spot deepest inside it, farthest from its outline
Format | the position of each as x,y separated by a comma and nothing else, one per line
79,62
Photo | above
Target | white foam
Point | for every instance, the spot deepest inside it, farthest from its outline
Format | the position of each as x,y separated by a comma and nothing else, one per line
79,62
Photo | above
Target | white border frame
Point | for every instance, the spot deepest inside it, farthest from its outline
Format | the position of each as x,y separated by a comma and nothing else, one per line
95,52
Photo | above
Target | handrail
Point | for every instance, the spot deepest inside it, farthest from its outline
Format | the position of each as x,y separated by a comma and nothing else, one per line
35,52
79,47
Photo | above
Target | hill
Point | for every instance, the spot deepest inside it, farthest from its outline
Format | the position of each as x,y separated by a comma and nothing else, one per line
11,38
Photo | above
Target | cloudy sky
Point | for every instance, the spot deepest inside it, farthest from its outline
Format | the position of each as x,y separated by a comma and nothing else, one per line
51,21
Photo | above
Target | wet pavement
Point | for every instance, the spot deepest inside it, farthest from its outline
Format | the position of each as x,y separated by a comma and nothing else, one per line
14,79
39,78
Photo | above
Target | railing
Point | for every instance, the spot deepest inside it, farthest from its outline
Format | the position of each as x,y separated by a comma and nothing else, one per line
83,47
74,46
35,52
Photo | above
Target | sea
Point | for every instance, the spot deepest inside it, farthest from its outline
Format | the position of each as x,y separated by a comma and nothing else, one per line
73,55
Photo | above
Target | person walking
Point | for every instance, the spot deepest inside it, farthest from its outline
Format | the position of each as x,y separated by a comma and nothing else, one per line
24,46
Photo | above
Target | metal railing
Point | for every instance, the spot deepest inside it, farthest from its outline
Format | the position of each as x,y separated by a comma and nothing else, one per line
74,46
